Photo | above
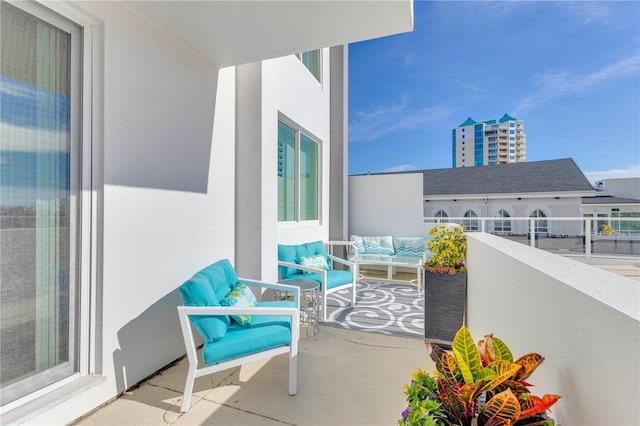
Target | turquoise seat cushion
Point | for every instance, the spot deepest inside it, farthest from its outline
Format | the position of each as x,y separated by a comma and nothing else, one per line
378,245
335,278
197,291
265,332
410,246
292,254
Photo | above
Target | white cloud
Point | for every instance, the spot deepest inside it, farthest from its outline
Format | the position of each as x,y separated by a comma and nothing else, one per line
589,11
370,126
558,83
594,176
470,87
400,168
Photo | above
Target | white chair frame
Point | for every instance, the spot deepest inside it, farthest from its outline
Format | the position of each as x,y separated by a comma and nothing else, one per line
292,349
353,267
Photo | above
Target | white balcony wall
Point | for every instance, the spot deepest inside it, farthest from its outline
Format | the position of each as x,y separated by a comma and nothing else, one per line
389,204
585,321
165,149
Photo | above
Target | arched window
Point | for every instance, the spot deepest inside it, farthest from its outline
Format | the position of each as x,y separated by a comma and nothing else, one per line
441,214
470,225
541,225
500,224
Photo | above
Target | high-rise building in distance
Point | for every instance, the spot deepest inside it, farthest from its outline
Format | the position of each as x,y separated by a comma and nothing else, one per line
484,143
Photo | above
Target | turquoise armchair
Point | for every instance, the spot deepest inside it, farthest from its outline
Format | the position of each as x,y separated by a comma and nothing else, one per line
236,328
310,261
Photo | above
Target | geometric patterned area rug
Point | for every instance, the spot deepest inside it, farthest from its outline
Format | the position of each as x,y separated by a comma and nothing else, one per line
383,308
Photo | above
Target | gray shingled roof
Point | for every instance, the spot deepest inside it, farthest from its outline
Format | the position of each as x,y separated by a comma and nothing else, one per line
536,176
608,200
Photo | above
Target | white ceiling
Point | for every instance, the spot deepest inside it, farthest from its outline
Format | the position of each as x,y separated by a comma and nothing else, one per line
231,32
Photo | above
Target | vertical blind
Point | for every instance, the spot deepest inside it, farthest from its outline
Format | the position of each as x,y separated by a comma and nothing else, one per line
36,295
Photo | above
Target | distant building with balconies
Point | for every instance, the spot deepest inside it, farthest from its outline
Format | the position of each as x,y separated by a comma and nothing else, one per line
487,143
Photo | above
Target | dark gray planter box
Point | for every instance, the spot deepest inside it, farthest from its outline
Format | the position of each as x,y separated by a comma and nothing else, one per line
444,306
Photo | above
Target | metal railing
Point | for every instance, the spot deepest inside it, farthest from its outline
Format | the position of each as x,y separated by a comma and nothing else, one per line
586,235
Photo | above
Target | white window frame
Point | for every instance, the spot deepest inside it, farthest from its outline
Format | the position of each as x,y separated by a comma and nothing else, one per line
318,78
297,131
86,243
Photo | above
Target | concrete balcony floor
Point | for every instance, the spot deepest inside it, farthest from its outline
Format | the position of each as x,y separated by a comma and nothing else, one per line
344,378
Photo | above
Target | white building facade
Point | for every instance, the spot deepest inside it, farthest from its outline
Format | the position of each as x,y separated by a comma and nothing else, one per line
484,143
154,155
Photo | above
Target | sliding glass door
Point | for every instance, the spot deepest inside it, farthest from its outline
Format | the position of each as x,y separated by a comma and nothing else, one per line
39,207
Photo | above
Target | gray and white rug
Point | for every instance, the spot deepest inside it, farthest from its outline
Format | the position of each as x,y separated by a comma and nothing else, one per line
384,308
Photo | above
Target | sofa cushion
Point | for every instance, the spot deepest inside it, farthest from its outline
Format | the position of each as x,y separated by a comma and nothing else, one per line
378,245
410,246
317,261
240,296
290,253
266,332
358,243
197,291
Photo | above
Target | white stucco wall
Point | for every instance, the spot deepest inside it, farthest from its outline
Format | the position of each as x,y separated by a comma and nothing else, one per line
168,197
306,102
389,204
268,91
622,187
585,321
564,206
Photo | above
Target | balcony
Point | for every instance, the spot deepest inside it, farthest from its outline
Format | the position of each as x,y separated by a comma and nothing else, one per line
583,319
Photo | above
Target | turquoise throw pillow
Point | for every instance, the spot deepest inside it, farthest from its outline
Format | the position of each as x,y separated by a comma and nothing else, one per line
317,261
243,297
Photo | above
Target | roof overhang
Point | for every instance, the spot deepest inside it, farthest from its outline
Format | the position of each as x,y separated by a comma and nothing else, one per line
227,32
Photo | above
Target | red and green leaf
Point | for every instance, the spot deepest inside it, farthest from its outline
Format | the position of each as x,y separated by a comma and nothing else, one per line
529,363
536,405
502,409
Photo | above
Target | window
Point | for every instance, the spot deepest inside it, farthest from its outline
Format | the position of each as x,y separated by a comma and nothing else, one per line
541,225
40,202
470,225
298,165
311,61
442,214
501,225
625,227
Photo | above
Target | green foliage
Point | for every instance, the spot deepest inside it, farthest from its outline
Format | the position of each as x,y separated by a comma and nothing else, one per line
478,385
449,249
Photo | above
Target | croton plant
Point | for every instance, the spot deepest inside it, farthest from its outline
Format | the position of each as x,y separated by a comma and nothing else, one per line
476,385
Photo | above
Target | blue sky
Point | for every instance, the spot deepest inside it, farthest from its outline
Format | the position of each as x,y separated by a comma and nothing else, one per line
570,70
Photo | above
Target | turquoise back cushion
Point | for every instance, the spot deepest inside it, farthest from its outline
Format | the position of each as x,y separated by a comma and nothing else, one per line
198,292
358,243
221,276
410,246
206,288
379,245
292,254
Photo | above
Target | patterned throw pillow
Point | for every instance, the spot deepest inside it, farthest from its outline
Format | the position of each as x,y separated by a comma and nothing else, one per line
243,297
379,245
317,261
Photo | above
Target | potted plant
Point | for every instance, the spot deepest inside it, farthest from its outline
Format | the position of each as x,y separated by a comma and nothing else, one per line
445,284
480,386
